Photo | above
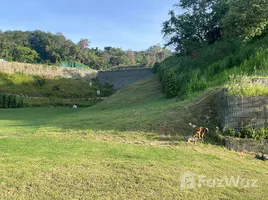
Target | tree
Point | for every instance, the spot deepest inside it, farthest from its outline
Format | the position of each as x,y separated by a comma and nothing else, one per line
131,57
199,24
24,54
83,43
246,19
45,47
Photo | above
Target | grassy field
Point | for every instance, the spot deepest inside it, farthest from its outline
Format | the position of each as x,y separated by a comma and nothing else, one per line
128,146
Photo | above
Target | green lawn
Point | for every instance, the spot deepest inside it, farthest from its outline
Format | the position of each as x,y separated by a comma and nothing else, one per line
126,147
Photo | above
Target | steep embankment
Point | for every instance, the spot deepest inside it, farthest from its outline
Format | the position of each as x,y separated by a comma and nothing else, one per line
142,107
213,65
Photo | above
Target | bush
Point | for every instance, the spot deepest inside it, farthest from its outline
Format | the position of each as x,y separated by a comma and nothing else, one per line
56,88
39,80
11,101
248,132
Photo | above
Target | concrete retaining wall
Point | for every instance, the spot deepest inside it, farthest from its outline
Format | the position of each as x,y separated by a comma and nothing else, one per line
123,78
234,111
250,145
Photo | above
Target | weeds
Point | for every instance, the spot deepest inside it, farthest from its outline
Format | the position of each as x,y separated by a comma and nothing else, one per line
241,85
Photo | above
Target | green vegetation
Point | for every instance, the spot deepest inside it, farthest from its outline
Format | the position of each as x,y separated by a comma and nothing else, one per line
244,86
205,22
37,86
213,65
34,102
10,101
214,40
112,151
200,24
131,145
43,92
246,19
41,47
248,132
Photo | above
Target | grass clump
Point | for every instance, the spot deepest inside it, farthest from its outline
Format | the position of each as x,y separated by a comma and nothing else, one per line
242,85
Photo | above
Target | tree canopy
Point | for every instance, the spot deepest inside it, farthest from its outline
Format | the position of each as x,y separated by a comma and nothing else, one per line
205,21
246,19
45,47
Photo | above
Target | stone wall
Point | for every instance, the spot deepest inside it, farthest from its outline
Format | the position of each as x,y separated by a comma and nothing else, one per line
250,145
123,78
234,111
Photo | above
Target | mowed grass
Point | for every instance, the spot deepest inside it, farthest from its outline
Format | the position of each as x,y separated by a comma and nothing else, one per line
126,147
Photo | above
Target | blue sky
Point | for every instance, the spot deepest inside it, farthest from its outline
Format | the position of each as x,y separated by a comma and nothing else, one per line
125,24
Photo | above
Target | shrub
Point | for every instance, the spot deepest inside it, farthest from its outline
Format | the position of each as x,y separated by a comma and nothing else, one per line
248,132
39,80
56,88
11,101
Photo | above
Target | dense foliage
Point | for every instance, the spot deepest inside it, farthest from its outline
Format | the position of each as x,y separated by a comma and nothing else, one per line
200,24
207,21
41,47
10,101
214,39
246,19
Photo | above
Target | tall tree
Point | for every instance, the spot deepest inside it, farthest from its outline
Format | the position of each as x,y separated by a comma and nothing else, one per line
131,57
199,24
246,19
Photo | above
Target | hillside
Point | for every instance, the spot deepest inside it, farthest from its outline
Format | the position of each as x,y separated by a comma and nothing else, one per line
213,65
39,91
142,107
115,151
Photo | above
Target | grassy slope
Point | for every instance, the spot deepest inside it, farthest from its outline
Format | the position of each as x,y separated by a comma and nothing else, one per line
214,65
58,87
117,152
51,91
